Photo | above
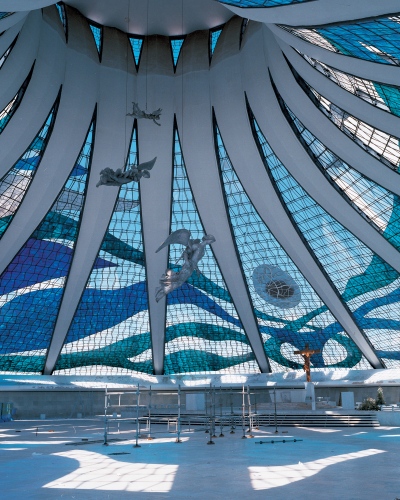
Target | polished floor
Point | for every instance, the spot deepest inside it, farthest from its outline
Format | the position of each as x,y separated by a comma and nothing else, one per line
52,459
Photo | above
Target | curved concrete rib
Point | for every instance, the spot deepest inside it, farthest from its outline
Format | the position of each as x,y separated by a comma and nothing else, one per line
386,73
318,186
201,165
77,98
157,91
111,142
41,92
305,14
9,21
256,181
372,115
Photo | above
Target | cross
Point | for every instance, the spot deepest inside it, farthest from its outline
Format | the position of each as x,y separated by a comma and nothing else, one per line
307,353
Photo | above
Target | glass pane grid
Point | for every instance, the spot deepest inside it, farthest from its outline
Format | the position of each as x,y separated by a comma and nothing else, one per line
15,184
32,286
377,40
111,325
136,45
97,35
176,46
378,205
298,316
203,331
352,267
382,96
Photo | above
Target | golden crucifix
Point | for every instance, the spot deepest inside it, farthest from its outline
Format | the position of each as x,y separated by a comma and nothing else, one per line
307,353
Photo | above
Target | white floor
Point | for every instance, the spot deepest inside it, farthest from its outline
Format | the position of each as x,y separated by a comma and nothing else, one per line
38,461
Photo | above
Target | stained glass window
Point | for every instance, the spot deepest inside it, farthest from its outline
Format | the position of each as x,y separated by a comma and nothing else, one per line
203,330
32,286
15,183
374,40
176,46
110,332
136,45
289,312
97,32
364,281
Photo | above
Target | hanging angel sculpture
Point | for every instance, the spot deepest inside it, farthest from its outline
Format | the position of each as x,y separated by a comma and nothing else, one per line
109,177
191,256
138,113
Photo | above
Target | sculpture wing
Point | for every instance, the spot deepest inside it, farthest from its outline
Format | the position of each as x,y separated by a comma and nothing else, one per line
180,236
148,165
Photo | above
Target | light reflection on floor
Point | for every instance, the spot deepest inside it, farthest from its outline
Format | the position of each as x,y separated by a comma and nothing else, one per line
67,459
264,478
99,472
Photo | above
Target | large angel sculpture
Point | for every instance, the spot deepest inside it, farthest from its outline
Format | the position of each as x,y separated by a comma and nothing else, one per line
138,113
191,256
109,177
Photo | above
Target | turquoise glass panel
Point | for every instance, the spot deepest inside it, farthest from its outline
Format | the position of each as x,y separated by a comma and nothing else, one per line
364,281
289,312
97,35
203,330
176,46
136,45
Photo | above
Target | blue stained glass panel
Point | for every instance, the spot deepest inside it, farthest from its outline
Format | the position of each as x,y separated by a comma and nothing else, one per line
110,330
97,35
376,204
15,183
38,274
136,45
203,331
176,46
376,40
362,278
214,35
289,312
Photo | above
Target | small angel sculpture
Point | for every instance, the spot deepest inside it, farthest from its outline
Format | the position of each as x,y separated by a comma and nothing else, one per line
192,255
109,177
138,113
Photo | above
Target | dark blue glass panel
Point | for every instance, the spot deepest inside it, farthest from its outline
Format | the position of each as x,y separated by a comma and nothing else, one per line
383,96
5,14
32,285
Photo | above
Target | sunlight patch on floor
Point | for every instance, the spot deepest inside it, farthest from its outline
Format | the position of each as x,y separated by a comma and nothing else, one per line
99,472
264,478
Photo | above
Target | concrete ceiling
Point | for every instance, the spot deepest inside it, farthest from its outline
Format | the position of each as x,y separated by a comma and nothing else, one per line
150,17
